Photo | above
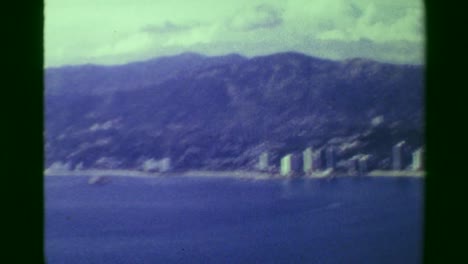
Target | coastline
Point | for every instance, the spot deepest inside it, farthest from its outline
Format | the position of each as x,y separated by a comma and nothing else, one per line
220,174
393,173
142,174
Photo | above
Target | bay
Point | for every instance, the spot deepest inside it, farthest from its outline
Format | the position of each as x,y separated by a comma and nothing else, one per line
229,220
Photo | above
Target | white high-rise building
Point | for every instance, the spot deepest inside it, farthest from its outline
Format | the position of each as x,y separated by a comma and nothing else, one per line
330,157
263,161
164,164
291,165
286,165
307,159
397,156
362,165
353,165
417,163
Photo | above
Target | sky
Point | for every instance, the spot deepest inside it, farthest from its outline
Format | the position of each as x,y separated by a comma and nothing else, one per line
121,31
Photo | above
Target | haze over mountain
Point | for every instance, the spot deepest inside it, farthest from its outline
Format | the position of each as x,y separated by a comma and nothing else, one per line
221,112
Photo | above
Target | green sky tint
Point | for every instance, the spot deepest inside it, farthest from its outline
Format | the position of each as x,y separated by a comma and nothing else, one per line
119,31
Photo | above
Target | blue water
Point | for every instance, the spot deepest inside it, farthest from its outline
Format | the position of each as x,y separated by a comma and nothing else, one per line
207,220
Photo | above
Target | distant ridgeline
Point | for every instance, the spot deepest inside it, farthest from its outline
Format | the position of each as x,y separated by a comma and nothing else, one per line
221,113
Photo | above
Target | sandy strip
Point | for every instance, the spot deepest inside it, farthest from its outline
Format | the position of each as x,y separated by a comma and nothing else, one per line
133,173
117,173
405,173
220,174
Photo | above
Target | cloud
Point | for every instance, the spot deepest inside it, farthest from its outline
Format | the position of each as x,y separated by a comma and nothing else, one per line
128,45
261,16
166,27
154,40
395,51
376,23
169,34
117,31
354,10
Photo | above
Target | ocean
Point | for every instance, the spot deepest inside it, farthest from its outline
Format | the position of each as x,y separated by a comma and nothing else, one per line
228,220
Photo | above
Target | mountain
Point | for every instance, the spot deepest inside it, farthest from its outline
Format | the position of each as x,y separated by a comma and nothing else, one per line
96,79
222,112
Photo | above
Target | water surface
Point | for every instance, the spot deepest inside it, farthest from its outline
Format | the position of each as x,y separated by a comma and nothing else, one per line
219,220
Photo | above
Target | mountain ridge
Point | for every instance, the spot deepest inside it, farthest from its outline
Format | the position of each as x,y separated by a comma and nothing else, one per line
219,112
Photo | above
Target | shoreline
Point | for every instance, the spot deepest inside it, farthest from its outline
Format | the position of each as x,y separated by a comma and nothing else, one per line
222,174
392,173
142,174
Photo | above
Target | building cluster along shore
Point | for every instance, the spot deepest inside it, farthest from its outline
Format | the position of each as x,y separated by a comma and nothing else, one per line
318,163
323,162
